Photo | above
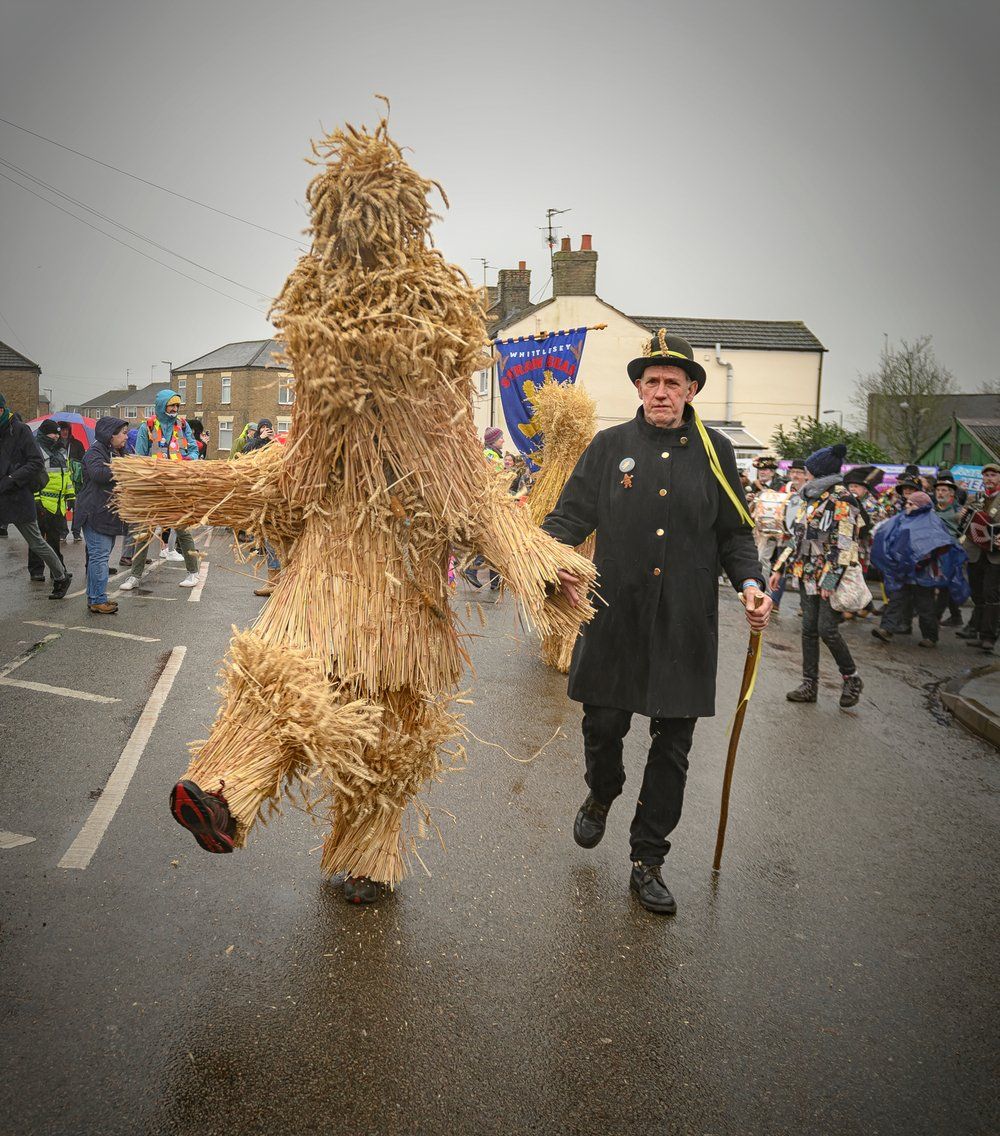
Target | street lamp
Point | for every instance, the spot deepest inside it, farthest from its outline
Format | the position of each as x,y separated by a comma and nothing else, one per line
840,412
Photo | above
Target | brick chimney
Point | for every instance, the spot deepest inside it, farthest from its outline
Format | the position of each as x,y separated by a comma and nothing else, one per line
574,273
513,289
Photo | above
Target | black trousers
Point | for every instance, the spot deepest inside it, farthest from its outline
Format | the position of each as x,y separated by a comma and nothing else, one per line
820,621
52,526
661,797
912,600
984,580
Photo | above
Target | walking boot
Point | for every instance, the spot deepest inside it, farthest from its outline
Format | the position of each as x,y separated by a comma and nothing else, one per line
268,587
360,889
882,634
851,693
588,828
927,643
61,587
647,883
109,607
967,632
206,815
807,692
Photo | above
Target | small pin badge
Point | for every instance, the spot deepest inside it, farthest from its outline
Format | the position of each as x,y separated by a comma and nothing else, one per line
626,465
627,480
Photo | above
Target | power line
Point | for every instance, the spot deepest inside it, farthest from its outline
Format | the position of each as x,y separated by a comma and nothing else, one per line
153,184
259,293
125,244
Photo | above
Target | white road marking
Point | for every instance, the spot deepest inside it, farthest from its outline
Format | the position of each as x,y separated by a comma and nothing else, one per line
208,540
44,688
81,851
9,668
93,631
14,840
195,595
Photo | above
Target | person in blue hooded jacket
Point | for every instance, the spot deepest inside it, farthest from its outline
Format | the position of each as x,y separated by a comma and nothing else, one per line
917,554
165,435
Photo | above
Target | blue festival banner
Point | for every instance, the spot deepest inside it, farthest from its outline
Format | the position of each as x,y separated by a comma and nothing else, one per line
523,365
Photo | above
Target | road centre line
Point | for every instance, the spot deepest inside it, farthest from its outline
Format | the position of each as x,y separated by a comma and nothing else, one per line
88,839
195,595
9,668
93,631
14,839
65,692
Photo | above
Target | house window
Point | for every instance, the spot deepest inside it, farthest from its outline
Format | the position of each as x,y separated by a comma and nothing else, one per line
225,433
182,389
129,412
199,390
283,425
482,383
227,390
965,451
946,452
286,396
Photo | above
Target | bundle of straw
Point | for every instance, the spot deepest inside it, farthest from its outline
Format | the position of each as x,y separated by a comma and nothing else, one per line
566,417
343,688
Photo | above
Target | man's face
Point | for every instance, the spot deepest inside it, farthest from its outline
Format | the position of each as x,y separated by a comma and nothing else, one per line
665,391
859,491
991,481
797,477
118,438
55,436
174,406
945,495
907,490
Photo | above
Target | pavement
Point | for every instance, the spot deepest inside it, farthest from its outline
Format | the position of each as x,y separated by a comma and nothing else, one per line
838,976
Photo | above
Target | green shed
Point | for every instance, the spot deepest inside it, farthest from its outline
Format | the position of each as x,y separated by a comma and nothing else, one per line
965,442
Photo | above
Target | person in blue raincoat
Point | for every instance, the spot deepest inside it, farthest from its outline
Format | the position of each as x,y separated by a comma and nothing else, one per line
917,554
165,435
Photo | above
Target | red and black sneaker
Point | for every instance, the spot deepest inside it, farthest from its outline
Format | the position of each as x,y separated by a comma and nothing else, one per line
360,889
205,814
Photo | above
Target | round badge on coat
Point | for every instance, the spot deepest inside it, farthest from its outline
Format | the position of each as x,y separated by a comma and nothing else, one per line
626,465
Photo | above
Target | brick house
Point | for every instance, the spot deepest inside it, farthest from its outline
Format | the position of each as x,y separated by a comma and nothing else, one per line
130,402
19,378
761,373
234,385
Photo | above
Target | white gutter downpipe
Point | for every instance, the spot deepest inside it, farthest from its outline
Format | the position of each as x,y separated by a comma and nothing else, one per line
729,381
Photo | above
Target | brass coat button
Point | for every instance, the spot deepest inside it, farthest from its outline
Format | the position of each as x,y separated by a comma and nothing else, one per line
659,532
656,571
663,492
684,441
665,454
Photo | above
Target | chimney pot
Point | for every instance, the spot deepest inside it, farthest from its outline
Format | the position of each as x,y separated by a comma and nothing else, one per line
565,247
585,242
522,265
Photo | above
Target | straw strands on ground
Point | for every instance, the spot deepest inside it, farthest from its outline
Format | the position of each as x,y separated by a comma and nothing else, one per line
566,417
344,686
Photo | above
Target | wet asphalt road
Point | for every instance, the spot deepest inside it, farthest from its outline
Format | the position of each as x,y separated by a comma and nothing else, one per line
840,976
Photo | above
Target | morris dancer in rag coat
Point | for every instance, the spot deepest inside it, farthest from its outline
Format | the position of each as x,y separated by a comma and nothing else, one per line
663,522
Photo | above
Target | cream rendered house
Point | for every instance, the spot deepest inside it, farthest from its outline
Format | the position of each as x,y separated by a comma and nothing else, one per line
761,373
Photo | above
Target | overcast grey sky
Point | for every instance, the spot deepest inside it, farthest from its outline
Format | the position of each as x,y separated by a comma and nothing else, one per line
782,159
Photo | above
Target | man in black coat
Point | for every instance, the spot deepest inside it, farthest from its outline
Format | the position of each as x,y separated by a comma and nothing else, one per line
22,470
664,521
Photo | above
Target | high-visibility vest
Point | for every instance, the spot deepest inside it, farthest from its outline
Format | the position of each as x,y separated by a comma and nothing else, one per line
173,448
58,492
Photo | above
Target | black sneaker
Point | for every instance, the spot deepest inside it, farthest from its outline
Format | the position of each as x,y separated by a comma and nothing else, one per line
647,883
360,889
38,579
470,577
588,828
61,587
851,694
206,815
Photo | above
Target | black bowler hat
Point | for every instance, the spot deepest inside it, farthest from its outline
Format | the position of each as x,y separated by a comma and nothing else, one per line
906,482
796,463
867,475
665,350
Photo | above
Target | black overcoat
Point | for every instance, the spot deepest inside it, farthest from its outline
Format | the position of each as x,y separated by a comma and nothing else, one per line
21,462
652,647
93,505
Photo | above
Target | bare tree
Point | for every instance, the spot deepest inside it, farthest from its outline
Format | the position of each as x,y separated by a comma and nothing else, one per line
901,400
990,386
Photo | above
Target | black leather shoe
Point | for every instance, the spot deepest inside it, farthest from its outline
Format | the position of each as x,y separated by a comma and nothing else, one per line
61,587
653,893
588,828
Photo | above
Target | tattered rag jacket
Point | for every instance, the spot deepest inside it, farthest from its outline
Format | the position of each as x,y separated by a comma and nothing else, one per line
663,526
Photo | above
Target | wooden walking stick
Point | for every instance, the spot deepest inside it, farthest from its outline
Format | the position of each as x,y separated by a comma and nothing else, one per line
746,689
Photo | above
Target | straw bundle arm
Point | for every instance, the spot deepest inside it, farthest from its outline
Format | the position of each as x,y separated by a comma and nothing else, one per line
343,688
